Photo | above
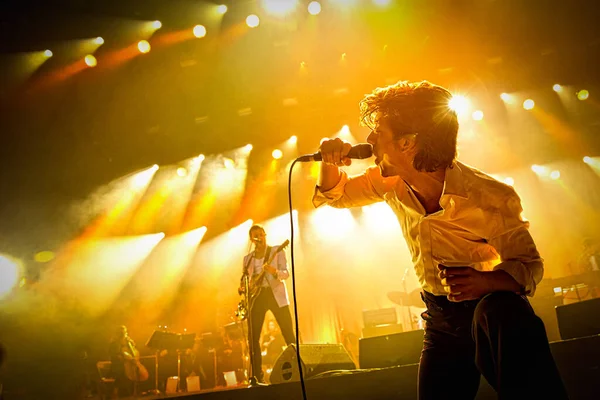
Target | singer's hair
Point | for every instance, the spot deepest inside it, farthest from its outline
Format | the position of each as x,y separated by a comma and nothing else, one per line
419,108
255,227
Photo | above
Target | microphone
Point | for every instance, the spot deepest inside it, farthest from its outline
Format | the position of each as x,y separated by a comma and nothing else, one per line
359,151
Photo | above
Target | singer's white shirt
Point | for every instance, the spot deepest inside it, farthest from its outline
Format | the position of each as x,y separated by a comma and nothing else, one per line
479,223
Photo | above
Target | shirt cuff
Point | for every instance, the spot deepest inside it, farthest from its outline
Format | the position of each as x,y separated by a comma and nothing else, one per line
333,194
520,273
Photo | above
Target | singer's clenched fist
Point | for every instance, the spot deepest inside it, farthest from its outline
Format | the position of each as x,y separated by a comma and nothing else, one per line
335,152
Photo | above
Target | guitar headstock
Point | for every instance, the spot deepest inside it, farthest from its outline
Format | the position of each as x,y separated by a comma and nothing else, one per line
283,245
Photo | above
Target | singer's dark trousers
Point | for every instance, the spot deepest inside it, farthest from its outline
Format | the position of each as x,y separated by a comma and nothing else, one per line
259,306
499,337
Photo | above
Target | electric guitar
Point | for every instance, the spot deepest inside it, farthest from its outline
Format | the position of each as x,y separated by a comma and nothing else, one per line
256,283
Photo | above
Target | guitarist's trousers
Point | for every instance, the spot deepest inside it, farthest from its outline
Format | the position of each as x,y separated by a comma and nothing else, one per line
263,302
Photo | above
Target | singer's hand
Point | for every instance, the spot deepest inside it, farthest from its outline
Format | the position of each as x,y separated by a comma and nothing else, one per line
335,152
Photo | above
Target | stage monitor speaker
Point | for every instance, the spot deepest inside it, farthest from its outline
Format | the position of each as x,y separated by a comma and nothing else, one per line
579,319
390,350
316,358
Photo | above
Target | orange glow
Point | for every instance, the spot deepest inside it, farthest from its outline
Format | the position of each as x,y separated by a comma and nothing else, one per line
560,131
170,38
118,57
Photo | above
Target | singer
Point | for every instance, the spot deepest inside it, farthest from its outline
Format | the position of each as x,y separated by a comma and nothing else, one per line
472,252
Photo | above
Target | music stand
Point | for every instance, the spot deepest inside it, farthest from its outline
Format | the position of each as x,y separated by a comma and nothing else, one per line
159,340
170,341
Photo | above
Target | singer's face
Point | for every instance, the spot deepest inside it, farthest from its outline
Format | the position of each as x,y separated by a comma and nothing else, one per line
393,155
384,148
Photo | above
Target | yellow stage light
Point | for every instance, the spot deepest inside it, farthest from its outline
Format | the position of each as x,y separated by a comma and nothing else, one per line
279,7
181,171
199,31
252,20
99,40
314,8
143,46
200,157
222,9
48,53
557,88
505,96
509,181
539,169
583,94
277,154
156,24
555,174
587,159
459,104
43,256
90,60
10,270
228,163
528,104
477,115
382,3
293,140
248,148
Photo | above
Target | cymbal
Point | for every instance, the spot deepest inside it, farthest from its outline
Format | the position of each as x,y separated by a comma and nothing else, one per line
407,299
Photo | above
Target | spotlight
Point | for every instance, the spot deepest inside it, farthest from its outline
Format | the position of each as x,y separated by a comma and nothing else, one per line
248,147
222,9
528,104
477,115
48,53
252,20
583,95
314,8
279,7
293,139
555,174
382,3
557,88
459,104
181,171
156,24
143,46
509,181
99,40
587,159
90,60
199,31
228,163
538,169
505,96
277,154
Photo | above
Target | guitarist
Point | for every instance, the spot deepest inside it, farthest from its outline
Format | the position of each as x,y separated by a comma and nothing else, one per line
270,293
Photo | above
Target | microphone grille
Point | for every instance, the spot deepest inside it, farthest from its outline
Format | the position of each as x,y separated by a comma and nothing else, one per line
363,150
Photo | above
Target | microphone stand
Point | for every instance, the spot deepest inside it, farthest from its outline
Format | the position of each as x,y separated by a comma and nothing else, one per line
253,382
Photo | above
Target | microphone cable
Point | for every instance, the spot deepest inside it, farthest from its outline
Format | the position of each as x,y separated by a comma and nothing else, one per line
302,385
